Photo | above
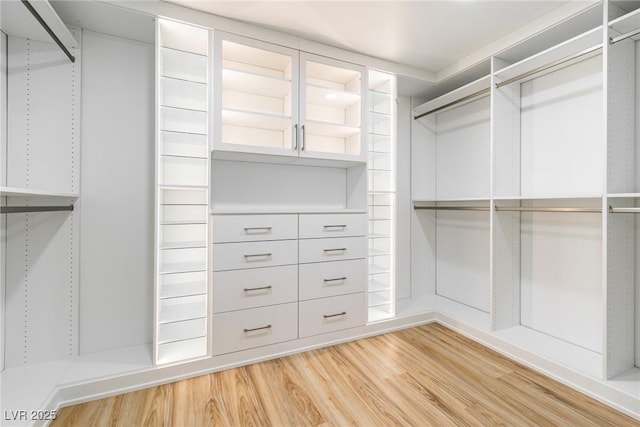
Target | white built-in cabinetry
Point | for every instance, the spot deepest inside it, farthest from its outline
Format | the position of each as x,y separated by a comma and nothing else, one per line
284,104
525,188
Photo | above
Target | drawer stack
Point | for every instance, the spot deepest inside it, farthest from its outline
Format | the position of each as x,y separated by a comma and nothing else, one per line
333,272
267,268
255,281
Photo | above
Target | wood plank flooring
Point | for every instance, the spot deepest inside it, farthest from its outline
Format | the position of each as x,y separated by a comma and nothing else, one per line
424,376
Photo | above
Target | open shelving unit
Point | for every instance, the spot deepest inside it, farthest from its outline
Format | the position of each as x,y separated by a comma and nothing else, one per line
381,98
451,194
181,294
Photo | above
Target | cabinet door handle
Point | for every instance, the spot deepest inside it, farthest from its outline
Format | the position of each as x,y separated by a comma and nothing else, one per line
334,250
304,137
264,229
257,329
337,279
328,316
295,137
261,288
335,226
268,254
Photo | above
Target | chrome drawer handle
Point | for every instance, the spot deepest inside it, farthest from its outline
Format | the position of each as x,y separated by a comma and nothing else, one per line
337,279
262,288
264,229
328,316
257,329
268,254
335,226
335,250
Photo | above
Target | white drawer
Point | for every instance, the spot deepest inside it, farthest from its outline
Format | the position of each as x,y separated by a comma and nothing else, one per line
332,225
337,249
241,289
327,279
235,256
240,330
251,228
320,316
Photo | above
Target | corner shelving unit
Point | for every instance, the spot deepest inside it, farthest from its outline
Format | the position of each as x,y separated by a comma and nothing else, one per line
182,229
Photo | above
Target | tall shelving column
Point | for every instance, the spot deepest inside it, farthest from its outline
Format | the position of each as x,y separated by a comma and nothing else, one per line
181,289
382,195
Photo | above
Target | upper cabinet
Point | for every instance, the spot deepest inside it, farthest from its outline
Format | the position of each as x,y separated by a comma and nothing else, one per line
280,105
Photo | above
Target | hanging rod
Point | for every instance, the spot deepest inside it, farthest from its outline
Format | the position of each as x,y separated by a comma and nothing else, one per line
454,208
614,40
29,209
541,209
48,30
457,101
547,66
623,210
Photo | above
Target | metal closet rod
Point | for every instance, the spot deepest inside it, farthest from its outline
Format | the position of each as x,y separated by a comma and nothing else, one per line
624,210
30,209
453,208
614,40
48,30
457,101
510,209
547,66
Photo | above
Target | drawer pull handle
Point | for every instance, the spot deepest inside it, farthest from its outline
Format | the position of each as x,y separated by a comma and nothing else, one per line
335,250
264,229
257,329
328,316
335,226
337,279
268,254
261,288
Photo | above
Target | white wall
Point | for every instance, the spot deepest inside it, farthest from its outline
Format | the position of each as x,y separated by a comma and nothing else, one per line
116,200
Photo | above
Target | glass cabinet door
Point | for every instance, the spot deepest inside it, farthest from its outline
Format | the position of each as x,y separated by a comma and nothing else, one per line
332,109
256,99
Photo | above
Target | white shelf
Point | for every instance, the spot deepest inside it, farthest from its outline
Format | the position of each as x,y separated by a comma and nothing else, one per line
258,84
283,210
183,245
255,120
575,46
331,129
623,195
28,192
567,354
626,24
183,267
454,96
380,313
329,97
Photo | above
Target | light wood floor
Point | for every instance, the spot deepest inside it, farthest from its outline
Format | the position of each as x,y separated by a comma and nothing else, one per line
425,376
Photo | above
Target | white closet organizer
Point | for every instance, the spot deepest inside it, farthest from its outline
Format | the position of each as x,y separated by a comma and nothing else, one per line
451,193
277,104
547,189
382,195
623,196
181,326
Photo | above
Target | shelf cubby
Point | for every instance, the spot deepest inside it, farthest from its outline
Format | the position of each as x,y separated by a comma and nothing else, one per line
184,94
178,64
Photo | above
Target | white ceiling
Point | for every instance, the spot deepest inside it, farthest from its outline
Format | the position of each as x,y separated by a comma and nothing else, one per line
429,35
